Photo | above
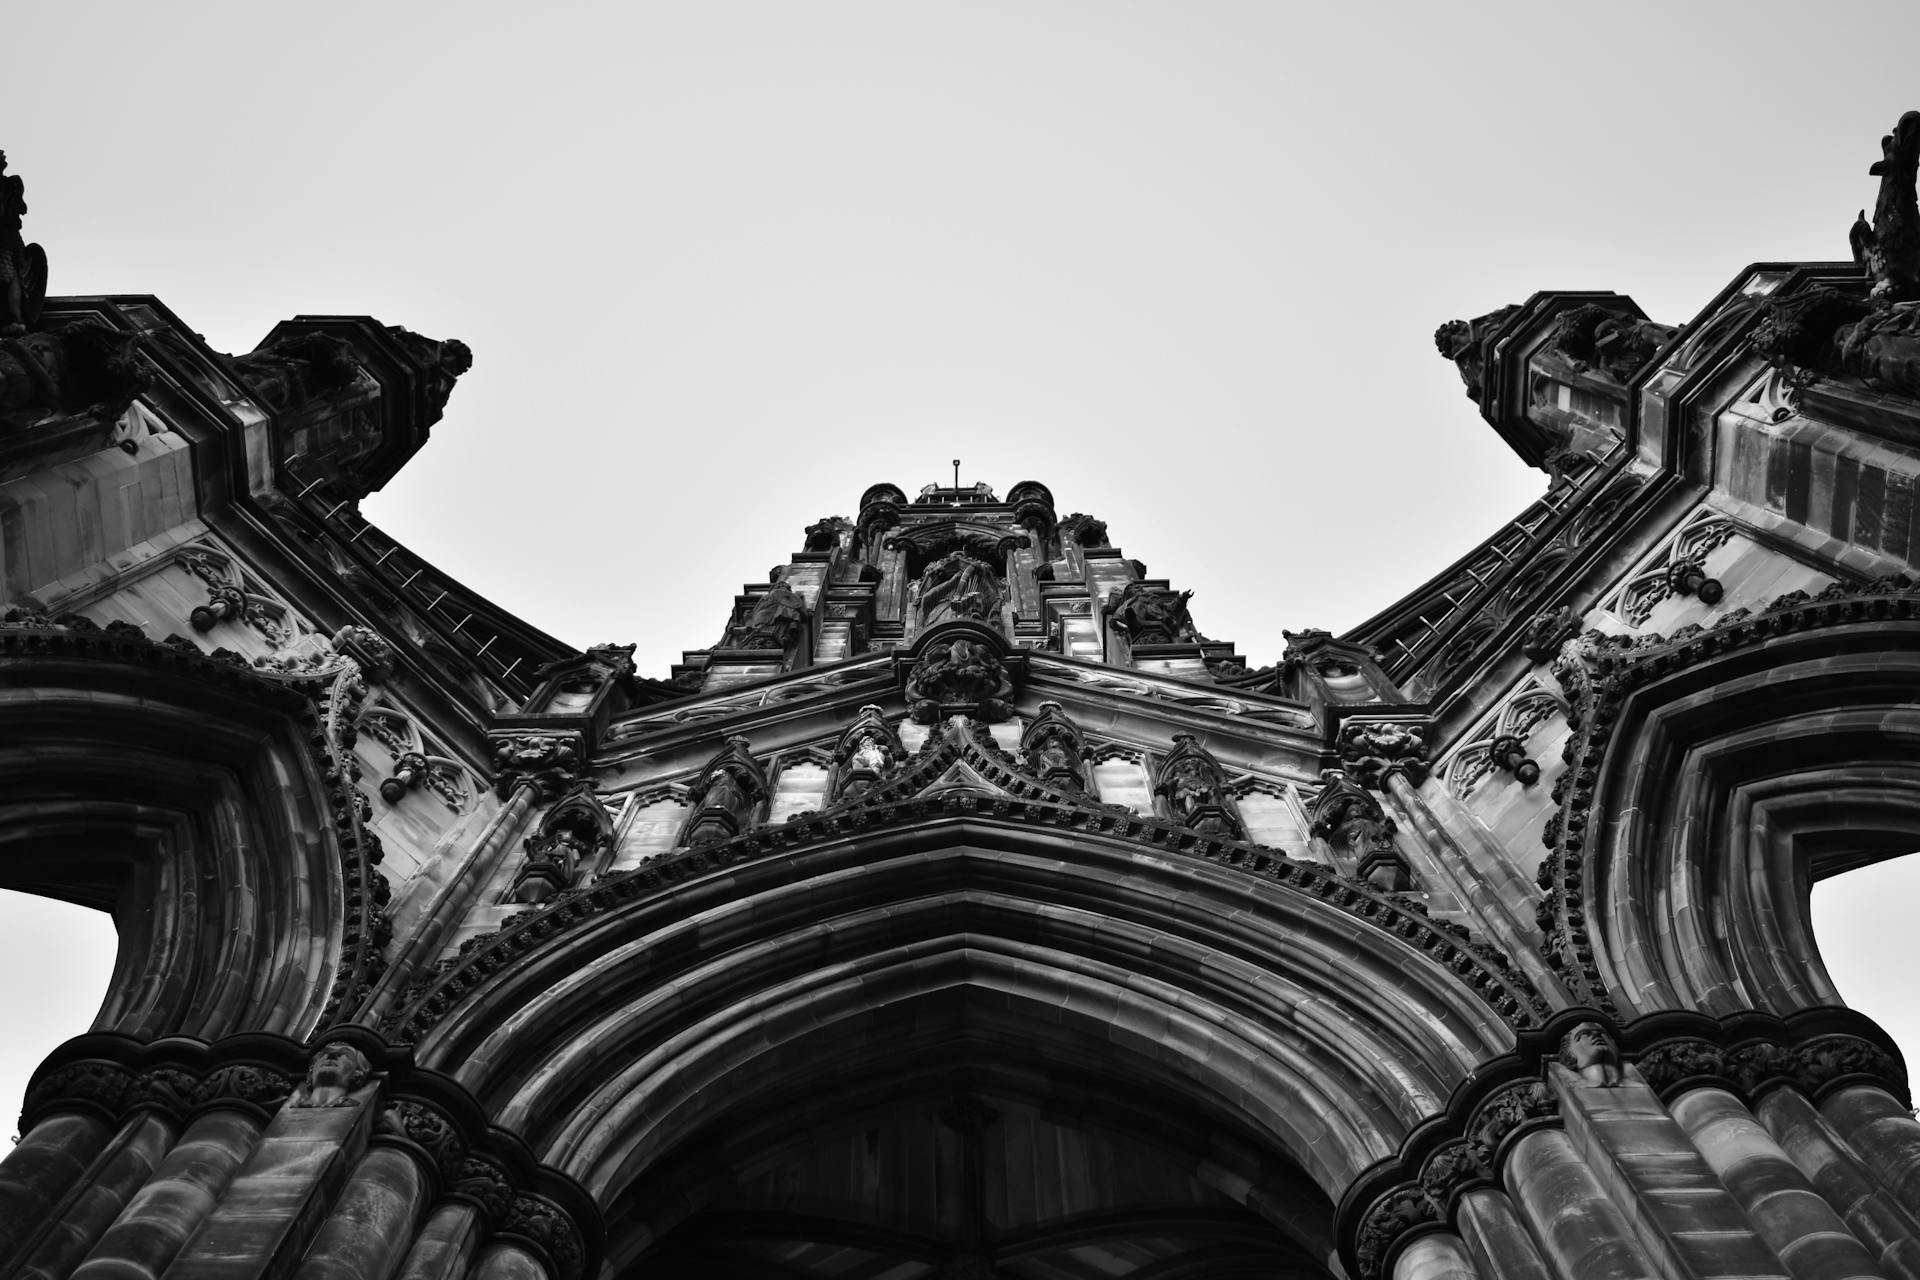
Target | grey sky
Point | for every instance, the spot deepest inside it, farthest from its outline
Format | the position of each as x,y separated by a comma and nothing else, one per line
725,265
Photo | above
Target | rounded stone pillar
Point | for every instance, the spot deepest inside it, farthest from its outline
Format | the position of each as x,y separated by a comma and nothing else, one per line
371,1226
445,1247
175,1200
113,1180
1890,1234
1794,1219
1434,1257
1873,1123
41,1169
1496,1239
505,1260
1582,1234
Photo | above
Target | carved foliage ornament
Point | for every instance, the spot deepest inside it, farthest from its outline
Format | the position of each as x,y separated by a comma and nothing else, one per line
550,763
1371,751
962,676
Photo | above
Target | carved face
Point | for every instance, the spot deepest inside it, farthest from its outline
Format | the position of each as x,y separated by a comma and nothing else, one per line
338,1064
1587,1045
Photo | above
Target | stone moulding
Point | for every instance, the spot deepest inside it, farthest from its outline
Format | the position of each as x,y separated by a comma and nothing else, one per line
1598,673
894,807
425,1113
1418,1190
322,708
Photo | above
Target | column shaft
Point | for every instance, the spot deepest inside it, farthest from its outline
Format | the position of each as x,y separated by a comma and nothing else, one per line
1496,1239
1891,1236
505,1260
1783,1206
371,1225
177,1198
1582,1234
112,1181
41,1169
1434,1257
1885,1134
446,1245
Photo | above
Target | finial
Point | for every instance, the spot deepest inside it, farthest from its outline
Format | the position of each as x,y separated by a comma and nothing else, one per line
956,475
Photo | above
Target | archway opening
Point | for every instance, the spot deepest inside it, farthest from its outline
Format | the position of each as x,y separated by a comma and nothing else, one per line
1862,920
58,957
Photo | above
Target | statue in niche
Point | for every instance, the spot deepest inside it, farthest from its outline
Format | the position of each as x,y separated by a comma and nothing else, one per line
870,754
959,585
866,753
775,621
336,1070
1195,790
1589,1051
959,672
1152,615
726,795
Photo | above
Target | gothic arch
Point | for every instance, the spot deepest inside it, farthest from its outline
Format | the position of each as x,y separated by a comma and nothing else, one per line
1715,776
1326,1040
189,797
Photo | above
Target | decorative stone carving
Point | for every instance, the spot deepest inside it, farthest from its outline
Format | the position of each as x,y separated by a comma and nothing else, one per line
825,533
297,368
23,266
548,762
1352,819
366,647
574,831
1671,1062
254,1086
1546,632
775,621
613,661
867,752
1509,752
335,1071
1194,791
1689,578
408,769
958,585
1824,331
1083,530
542,1224
1613,342
483,1184
1505,1111
1053,748
1151,615
1890,247
1371,751
1393,1217
1588,1051
83,367
440,362
224,600
959,676
423,1127
726,796
1463,342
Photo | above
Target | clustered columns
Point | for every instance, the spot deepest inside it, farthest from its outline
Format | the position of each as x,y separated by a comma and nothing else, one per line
180,1159
1783,1154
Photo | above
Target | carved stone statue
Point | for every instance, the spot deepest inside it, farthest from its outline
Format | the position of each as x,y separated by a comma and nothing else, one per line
1826,331
296,368
1461,342
23,266
82,367
1352,820
441,362
958,585
1053,748
727,794
1615,343
1588,1050
775,621
1890,247
824,534
867,752
1151,615
335,1071
1083,530
959,672
1194,789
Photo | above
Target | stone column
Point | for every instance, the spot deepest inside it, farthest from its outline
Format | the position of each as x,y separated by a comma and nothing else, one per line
1886,1135
1434,1257
505,1260
1684,1217
1890,1234
445,1247
371,1226
1496,1239
41,1169
1793,1218
114,1178
1582,1234
177,1198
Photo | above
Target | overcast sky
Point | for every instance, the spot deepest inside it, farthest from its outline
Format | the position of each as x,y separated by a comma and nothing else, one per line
723,266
